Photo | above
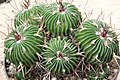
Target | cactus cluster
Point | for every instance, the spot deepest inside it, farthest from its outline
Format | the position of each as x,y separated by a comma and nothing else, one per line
43,35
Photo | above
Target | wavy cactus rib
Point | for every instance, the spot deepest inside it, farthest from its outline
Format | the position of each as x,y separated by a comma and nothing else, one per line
97,41
60,19
22,45
32,16
60,56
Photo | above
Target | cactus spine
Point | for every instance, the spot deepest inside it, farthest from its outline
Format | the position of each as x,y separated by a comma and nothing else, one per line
61,17
60,56
97,41
22,45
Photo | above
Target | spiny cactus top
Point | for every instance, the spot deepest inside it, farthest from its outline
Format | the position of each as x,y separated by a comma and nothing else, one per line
60,56
32,15
61,17
22,45
97,41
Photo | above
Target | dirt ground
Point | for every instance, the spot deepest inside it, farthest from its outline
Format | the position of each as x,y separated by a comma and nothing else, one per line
107,10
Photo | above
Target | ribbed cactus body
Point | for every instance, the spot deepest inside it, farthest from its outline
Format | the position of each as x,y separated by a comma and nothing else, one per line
98,74
60,19
60,56
97,41
22,45
32,16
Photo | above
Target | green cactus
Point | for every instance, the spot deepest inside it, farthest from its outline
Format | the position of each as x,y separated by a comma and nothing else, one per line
98,72
32,16
97,41
98,75
60,18
22,45
60,56
83,50
93,76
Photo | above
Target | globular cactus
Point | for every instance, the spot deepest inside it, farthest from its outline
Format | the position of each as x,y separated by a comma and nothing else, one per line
60,56
61,17
97,41
32,16
23,45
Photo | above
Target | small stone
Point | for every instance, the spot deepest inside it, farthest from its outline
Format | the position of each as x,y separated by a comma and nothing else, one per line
115,70
54,78
72,78
110,78
84,79
67,78
44,78
12,68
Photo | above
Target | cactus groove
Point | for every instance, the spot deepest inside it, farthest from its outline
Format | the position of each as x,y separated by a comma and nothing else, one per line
97,41
61,17
22,45
60,56
32,16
